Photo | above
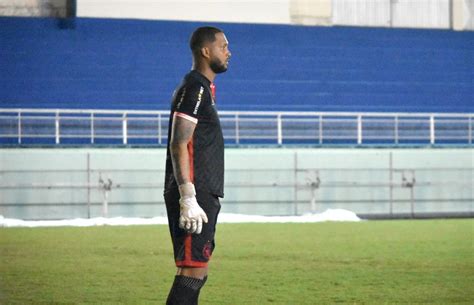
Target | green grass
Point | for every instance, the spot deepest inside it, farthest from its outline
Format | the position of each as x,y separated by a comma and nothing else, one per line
373,262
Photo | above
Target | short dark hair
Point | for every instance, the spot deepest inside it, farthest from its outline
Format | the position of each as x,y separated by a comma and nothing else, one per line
201,36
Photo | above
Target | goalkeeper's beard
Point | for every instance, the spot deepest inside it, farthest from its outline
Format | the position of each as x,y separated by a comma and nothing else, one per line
217,66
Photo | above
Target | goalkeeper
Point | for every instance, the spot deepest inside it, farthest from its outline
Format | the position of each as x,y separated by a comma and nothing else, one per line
195,165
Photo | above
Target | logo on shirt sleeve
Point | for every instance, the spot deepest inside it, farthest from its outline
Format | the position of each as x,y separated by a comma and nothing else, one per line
198,101
181,99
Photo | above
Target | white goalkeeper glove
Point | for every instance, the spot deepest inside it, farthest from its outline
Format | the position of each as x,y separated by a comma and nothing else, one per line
191,214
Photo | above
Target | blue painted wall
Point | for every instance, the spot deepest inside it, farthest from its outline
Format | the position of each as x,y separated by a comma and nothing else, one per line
136,64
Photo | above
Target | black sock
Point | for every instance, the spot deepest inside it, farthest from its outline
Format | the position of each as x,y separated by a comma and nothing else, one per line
185,290
197,294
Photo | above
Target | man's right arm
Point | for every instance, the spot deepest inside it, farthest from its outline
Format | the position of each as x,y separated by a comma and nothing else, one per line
181,134
192,215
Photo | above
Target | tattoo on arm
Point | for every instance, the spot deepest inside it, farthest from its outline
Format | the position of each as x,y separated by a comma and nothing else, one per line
182,132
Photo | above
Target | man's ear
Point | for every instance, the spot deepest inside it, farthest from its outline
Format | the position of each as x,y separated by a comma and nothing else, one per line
205,52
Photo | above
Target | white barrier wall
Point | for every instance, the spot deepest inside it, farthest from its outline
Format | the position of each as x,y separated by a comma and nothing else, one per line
72,183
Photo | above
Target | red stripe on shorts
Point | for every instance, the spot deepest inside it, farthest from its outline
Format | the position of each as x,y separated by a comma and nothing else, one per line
188,257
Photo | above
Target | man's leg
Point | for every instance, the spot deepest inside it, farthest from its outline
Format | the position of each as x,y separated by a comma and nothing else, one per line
192,252
186,286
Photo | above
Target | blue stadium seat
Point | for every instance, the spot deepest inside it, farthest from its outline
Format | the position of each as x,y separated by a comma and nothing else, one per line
136,64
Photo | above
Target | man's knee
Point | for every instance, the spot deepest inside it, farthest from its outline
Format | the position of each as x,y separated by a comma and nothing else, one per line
199,273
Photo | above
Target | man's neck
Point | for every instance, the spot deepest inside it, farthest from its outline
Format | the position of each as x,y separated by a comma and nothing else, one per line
206,71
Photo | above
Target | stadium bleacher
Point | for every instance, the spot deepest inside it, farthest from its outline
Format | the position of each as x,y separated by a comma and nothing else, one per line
136,64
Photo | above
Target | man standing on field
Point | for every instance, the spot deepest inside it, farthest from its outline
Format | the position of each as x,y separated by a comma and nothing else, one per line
195,165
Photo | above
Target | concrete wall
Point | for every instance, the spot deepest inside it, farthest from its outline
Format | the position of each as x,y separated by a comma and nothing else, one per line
64,183
36,8
463,15
456,14
262,11
310,12
401,13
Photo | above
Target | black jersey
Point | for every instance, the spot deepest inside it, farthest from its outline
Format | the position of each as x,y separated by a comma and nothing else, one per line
194,100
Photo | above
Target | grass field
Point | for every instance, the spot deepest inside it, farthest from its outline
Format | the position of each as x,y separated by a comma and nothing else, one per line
373,262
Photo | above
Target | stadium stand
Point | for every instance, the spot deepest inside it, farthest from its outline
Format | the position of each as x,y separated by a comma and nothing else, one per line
136,64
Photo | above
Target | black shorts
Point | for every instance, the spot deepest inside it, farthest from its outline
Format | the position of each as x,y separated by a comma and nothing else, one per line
192,250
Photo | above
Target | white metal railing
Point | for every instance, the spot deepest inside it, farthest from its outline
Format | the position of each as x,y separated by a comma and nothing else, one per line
122,127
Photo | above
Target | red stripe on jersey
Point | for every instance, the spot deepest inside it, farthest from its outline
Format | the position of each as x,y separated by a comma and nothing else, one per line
213,90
